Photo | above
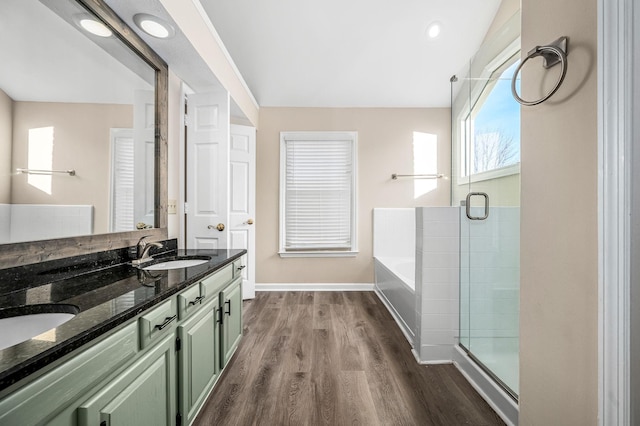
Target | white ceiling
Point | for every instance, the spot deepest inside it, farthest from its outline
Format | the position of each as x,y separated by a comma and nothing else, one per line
364,53
353,53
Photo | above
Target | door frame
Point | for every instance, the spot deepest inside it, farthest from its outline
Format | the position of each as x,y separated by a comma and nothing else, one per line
615,133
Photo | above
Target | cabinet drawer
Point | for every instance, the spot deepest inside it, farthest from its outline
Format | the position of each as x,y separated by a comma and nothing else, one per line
215,282
239,267
189,301
158,322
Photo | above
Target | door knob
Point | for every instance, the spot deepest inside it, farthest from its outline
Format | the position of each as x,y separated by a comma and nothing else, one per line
249,222
219,227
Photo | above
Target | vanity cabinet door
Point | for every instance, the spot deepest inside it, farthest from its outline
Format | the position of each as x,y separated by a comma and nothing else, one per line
231,304
144,394
198,358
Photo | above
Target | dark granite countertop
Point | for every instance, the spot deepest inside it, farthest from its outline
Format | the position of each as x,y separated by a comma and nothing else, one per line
106,292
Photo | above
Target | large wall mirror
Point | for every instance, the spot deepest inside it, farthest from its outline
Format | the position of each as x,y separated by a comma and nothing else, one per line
83,113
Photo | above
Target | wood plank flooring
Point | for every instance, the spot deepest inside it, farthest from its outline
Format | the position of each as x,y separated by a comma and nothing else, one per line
334,358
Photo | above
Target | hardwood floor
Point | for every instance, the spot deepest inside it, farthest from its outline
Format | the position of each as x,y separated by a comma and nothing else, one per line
334,358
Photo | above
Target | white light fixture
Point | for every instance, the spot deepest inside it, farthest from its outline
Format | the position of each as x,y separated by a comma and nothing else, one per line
434,29
154,26
95,27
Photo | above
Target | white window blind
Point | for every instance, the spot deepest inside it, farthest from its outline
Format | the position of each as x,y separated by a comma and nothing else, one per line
318,192
122,184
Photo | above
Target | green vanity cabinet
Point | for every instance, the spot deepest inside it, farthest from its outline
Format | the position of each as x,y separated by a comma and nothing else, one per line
143,394
231,304
157,369
46,397
198,358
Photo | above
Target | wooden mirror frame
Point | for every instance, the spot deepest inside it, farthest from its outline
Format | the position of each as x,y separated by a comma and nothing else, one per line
25,253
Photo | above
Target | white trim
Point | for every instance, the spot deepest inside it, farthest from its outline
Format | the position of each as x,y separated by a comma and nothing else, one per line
216,36
495,396
182,236
314,287
615,71
420,361
513,169
318,253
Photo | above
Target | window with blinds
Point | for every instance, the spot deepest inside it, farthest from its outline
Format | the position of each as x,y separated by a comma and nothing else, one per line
318,193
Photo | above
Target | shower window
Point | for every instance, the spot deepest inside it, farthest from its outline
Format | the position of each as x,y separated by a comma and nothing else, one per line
490,131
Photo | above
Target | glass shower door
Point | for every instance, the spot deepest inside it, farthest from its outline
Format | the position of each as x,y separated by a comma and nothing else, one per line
486,170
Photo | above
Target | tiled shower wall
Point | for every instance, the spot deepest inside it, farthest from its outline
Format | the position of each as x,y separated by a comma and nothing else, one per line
490,274
437,266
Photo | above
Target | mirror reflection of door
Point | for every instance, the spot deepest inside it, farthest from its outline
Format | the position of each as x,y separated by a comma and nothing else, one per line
144,158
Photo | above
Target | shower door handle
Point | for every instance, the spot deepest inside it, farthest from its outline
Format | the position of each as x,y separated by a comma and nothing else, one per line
486,205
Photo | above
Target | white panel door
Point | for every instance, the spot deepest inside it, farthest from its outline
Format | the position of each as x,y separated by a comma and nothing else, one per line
207,170
242,205
144,147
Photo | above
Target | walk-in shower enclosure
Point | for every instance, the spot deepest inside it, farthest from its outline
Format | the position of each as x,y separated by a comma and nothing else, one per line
486,185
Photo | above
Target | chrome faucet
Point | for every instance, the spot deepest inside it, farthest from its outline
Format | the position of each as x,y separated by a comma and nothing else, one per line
142,251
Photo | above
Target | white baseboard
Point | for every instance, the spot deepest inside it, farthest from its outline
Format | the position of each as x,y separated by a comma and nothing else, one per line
314,287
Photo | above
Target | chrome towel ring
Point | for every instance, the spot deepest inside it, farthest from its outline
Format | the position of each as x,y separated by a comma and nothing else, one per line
553,54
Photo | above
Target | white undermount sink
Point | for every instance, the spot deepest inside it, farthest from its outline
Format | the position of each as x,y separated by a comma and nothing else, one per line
175,264
21,324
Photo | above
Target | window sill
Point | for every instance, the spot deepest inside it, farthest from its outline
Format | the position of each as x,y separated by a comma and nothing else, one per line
491,174
318,253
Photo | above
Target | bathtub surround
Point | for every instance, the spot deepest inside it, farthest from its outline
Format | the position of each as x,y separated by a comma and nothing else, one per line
28,222
437,278
394,236
424,303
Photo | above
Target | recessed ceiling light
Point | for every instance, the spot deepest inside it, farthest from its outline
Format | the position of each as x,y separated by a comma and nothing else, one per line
434,29
153,25
95,27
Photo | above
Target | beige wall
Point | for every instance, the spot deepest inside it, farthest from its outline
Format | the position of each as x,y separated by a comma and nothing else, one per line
6,120
385,146
559,244
81,142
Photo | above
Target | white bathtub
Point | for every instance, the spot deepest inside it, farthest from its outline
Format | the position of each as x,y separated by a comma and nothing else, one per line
395,282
